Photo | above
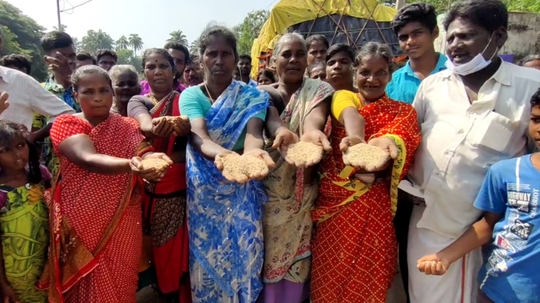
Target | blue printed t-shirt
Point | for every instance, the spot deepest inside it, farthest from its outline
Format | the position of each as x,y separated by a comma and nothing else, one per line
195,104
405,83
510,272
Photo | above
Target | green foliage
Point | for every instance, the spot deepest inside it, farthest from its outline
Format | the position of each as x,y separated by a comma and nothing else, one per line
22,34
532,6
95,40
122,43
249,30
178,36
194,47
127,56
135,42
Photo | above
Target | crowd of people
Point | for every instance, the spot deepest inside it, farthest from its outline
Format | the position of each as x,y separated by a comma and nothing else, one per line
452,208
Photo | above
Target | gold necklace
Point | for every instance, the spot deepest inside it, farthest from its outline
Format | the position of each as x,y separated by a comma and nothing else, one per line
208,92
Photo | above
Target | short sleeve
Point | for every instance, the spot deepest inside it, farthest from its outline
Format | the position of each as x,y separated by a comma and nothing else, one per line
66,126
138,105
261,115
343,99
190,103
492,196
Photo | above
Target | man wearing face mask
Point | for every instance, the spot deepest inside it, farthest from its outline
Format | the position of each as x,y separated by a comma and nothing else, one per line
472,115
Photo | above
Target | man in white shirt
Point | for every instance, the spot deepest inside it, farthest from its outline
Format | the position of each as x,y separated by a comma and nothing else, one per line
472,115
26,97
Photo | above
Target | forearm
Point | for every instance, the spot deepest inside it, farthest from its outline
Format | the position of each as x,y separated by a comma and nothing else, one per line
145,123
314,122
103,164
477,235
42,133
208,148
253,142
354,123
273,121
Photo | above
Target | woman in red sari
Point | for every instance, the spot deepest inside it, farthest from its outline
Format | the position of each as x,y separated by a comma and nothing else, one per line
95,210
354,248
164,203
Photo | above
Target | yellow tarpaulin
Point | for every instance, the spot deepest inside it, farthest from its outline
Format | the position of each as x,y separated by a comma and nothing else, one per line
290,12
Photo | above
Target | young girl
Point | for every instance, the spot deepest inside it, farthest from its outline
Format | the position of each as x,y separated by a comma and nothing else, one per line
24,218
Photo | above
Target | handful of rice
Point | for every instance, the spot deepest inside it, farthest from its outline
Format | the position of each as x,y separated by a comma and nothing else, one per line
303,153
242,167
159,164
364,155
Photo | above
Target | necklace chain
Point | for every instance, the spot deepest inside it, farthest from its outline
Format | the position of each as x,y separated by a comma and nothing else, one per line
208,92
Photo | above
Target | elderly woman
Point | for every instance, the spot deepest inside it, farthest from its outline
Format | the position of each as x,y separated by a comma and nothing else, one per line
125,82
225,216
355,249
96,208
164,203
300,106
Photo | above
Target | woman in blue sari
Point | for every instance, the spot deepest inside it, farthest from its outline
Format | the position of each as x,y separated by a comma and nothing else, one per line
224,215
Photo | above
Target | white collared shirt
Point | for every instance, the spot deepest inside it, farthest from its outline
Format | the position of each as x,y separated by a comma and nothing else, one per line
26,97
460,141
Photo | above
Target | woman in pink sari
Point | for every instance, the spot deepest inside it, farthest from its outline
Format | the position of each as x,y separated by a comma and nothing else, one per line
95,209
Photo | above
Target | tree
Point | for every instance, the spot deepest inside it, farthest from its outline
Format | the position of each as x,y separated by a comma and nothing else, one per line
249,29
178,36
63,28
96,40
532,6
77,44
194,47
127,56
136,42
122,43
21,34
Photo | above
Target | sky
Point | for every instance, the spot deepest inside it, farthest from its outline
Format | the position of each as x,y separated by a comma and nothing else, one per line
153,20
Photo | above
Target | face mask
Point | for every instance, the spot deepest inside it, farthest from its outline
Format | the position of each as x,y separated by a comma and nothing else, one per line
478,63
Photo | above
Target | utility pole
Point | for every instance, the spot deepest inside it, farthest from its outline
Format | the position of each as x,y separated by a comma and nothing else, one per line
400,4
58,13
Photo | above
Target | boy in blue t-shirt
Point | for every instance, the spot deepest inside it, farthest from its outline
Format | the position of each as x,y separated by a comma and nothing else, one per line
509,198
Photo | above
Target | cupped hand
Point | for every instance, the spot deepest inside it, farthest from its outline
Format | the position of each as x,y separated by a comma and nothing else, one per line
161,127
263,155
182,126
283,139
317,137
386,144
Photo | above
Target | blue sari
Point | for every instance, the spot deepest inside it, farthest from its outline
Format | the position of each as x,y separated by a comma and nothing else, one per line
225,218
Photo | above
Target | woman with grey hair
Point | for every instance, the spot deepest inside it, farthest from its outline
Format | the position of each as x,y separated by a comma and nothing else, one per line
300,108
125,83
355,248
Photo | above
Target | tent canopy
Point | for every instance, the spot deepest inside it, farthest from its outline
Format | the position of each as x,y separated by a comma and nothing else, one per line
287,13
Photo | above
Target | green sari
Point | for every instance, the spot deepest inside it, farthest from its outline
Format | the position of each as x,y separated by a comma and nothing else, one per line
24,226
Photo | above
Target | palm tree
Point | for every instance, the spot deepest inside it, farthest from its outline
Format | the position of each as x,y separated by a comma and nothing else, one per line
122,43
136,42
178,36
194,47
96,40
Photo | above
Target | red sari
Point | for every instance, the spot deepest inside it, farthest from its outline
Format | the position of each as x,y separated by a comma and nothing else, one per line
354,248
164,211
95,218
